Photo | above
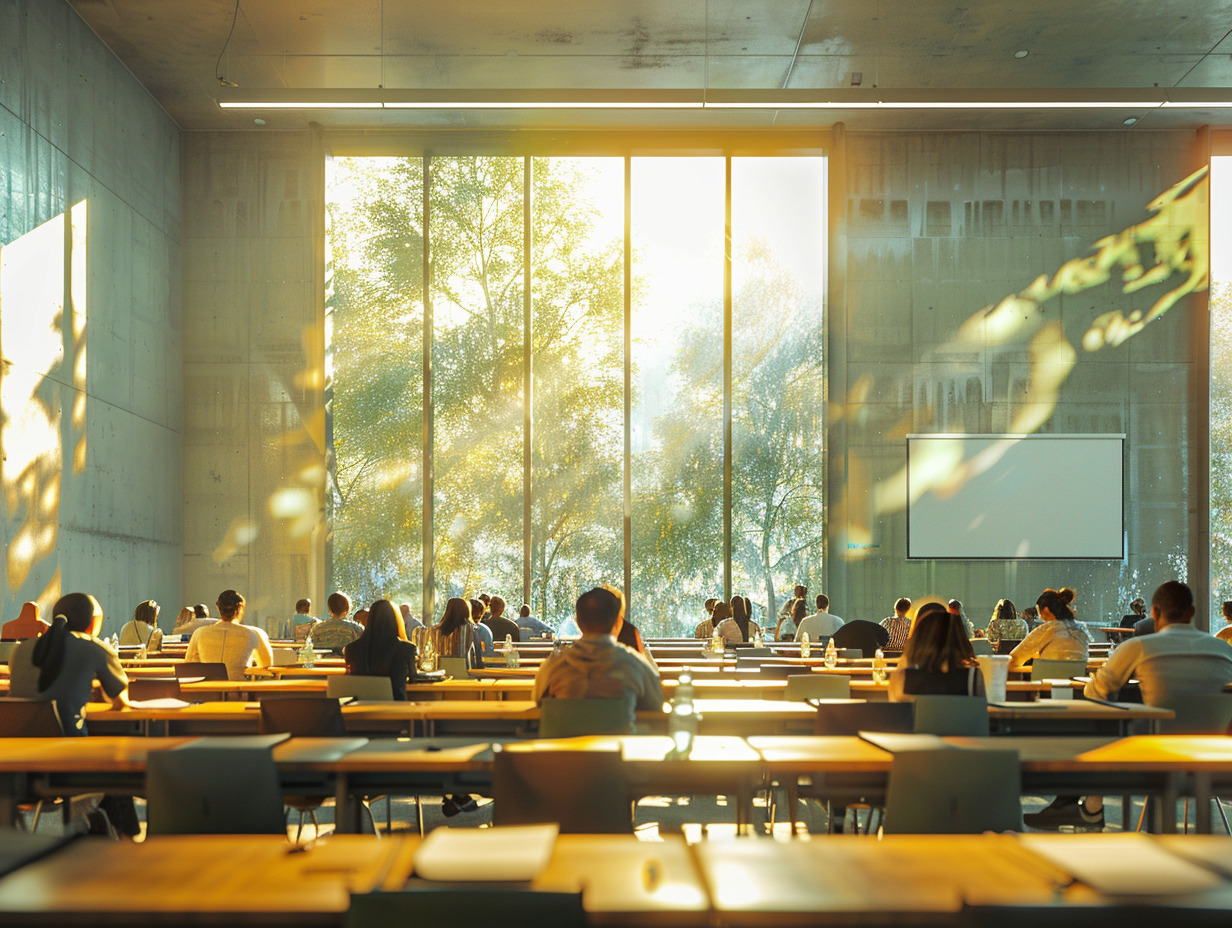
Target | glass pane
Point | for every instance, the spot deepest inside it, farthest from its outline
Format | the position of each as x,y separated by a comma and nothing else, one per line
476,210
677,431
374,318
778,380
1221,387
578,340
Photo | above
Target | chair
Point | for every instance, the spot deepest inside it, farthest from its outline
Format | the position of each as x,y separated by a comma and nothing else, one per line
467,907
153,688
1044,669
585,791
568,718
455,667
981,646
1006,645
201,789
855,717
862,634
949,791
6,650
1197,714
201,670
30,718
284,657
803,686
361,687
303,717
952,716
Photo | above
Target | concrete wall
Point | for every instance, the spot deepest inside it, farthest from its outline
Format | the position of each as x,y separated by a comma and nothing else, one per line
89,321
933,228
254,465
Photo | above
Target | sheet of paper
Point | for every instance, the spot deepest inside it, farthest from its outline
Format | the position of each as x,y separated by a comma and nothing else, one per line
489,855
1122,865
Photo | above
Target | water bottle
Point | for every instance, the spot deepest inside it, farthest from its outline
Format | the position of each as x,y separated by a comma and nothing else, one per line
805,648
427,656
831,655
716,643
879,666
306,653
682,724
511,652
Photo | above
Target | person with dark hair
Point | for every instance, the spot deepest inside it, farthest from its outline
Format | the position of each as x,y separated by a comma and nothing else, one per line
63,663
1005,624
382,650
821,624
735,624
1030,615
143,629
303,620
898,624
190,619
338,631
1137,612
408,618
531,627
484,645
938,660
721,616
1059,637
496,622
1225,633
229,641
785,628
454,635
597,666
705,628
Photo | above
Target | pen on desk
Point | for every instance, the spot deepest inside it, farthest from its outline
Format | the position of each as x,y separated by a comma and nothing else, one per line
650,875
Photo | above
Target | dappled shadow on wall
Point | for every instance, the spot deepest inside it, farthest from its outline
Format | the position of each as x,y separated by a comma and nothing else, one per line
43,315
1169,249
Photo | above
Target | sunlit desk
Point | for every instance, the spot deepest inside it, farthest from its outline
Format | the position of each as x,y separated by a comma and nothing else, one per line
242,689
232,880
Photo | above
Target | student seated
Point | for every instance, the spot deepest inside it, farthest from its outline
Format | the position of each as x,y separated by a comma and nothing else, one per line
230,642
938,660
336,632
382,650
143,629
597,666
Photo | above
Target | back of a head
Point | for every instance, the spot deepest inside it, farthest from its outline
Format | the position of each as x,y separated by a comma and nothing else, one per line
938,641
78,611
384,622
1067,594
407,614
1175,602
902,605
361,616
457,613
338,604
72,613
477,609
738,610
799,611
597,611
201,611
1005,611
710,605
955,607
229,604
721,611
823,602
524,612
1057,603
184,616
497,605
801,591
303,606
147,612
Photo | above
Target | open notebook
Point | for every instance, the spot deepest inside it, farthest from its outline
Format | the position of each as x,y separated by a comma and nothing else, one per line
490,855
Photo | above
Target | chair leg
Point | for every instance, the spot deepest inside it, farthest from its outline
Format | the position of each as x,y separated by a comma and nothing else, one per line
1223,815
419,814
1146,801
1186,816
316,828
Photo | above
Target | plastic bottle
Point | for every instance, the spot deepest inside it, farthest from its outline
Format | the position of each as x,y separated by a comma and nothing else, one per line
682,724
512,658
831,655
879,666
306,654
805,648
716,643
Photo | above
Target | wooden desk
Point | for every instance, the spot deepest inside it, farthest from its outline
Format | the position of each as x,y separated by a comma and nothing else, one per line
212,880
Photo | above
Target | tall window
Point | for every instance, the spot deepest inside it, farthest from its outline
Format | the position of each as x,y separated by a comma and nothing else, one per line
1221,386
568,443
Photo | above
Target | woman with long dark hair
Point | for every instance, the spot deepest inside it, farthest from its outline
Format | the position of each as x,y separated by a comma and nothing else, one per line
454,635
382,650
938,659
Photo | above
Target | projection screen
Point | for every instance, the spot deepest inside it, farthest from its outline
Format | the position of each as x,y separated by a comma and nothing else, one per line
1015,496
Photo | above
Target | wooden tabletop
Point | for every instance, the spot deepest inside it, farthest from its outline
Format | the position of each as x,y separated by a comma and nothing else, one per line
119,754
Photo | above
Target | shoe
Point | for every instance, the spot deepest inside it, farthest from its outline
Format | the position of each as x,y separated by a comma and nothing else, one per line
1065,813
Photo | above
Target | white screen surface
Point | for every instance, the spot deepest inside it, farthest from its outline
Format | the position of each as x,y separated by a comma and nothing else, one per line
1015,496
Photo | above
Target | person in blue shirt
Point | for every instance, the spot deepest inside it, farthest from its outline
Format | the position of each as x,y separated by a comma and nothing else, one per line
532,627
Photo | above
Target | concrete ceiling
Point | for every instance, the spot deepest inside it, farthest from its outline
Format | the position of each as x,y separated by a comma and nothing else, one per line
172,46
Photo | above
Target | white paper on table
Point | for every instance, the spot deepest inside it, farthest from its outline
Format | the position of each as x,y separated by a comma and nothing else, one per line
487,855
1122,865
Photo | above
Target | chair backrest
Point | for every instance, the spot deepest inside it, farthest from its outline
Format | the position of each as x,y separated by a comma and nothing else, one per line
744,651
1046,669
947,791
951,715
198,789
361,687
455,667
467,907
569,718
30,718
284,657
802,686
853,718
202,670
862,634
981,646
6,650
303,717
849,654
153,688
1006,645
585,791
1197,714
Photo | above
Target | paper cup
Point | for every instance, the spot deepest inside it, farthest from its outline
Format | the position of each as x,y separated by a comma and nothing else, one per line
996,671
